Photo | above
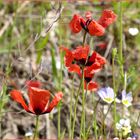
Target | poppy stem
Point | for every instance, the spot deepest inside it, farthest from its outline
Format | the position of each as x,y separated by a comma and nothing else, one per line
82,127
75,109
84,38
36,128
94,118
71,111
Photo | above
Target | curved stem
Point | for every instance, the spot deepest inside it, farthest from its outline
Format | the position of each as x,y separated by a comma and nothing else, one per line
36,128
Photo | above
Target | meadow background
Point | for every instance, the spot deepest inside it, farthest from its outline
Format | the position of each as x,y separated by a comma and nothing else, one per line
31,33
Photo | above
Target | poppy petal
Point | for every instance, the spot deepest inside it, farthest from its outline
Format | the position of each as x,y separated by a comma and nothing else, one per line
33,84
81,52
68,56
17,96
107,18
92,86
38,99
74,68
95,57
95,67
87,73
95,29
54,102
75,23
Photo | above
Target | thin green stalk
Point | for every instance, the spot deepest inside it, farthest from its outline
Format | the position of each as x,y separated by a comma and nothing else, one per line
59,122
84,38
94,118
75,109
71,111
121,43
82,125
125,80
60,87
103,120
121,35
36,128
94,124
114,87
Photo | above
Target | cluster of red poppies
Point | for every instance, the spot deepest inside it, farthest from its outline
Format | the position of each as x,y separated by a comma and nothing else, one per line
94,28
79,58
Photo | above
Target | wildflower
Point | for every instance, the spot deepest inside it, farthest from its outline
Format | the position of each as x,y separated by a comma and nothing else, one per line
107,18
77,59
91,26
94,28
39,100
127,98
124,127
106,94
75,24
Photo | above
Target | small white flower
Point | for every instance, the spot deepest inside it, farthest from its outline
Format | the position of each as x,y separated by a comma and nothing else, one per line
118,126
124,127
107,94
28,134
133,31
127,98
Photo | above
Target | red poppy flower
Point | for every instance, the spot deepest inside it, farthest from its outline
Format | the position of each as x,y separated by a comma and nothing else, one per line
91,26
80,56
75,23
94,28
33,84
38,100
107,18
75,57
92,86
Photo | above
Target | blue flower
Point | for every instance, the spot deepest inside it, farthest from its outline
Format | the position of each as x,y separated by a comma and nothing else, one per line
106,94
127,98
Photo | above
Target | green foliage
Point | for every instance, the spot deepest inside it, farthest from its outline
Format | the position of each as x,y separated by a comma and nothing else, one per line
40,46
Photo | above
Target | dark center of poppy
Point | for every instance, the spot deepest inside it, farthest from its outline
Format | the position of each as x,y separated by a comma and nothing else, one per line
88,79
37,111
82,61
84,25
